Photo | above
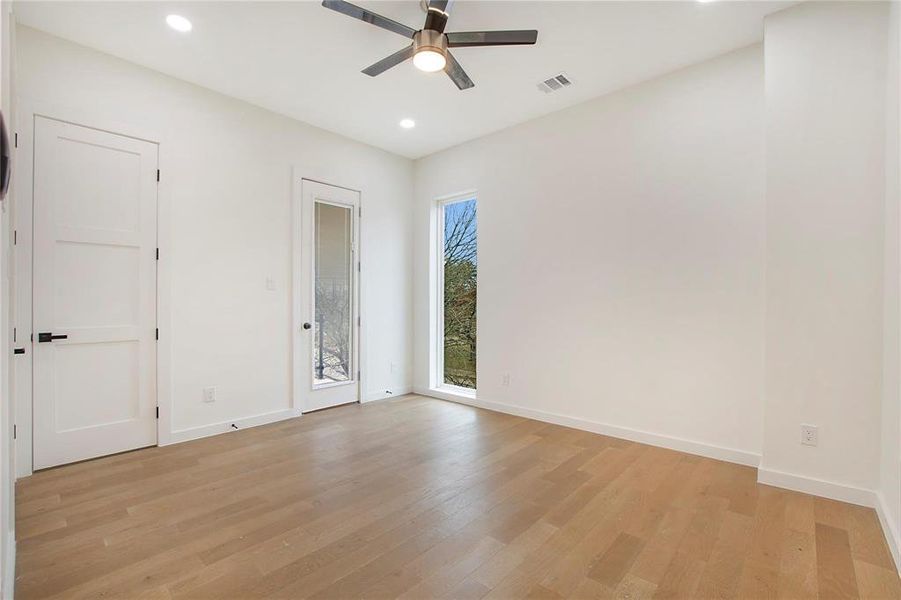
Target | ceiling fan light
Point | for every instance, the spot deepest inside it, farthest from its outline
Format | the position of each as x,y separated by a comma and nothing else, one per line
429,61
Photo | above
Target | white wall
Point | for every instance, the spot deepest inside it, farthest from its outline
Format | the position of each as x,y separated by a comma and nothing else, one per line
825,143
890,457
7,451
225,198
621,247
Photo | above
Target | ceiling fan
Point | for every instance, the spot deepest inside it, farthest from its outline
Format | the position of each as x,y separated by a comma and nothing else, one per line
429,49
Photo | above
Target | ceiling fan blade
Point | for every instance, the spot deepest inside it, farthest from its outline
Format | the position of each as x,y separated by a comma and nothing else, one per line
389,61
464,39
457,74
351,10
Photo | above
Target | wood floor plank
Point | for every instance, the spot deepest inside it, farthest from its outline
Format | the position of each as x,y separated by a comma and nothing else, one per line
505,560
799,565
634,588
726,559
876,582
866,539
612,566
835,567
420,498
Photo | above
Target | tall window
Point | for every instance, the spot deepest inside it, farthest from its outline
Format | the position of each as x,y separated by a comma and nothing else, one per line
458,293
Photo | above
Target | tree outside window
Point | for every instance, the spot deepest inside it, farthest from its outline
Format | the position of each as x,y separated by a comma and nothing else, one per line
460,270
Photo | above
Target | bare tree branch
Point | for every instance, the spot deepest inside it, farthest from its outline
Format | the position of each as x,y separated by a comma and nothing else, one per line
460,276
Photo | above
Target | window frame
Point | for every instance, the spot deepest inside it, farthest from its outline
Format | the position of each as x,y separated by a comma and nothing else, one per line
440,204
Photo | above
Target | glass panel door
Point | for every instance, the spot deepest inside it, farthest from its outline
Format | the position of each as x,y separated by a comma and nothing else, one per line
326,299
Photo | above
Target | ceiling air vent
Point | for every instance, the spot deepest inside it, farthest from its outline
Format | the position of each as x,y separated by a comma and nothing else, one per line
557,82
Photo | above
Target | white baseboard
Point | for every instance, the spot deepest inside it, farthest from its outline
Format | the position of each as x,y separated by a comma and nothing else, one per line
9,582
194,433
890,528
732,455
381,395
817,487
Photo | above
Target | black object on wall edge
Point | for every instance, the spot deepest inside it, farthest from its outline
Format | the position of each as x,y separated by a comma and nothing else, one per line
5,160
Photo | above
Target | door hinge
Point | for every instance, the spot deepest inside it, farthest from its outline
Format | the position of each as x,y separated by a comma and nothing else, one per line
359,267
157,333
15,431
358,375
358,321
14,334
157,174
16,142
157,253
15,237
157,412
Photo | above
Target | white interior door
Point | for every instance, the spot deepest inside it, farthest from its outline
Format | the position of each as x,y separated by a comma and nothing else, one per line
94,319
327,337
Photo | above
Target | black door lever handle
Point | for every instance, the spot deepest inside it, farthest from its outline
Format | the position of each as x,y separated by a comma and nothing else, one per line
49,337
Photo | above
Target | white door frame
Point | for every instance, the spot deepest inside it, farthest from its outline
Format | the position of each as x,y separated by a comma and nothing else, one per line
298,176
23,203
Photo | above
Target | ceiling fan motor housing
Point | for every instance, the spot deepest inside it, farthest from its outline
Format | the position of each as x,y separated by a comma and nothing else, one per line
429,39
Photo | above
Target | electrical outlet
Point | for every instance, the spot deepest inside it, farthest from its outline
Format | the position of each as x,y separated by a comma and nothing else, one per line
506,379
809,435
209,394
270,284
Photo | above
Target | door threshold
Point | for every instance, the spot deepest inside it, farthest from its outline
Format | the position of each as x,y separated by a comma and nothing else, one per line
316,410
84,460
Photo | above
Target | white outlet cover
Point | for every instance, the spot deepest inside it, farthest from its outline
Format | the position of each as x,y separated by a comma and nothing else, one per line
809,435
209,394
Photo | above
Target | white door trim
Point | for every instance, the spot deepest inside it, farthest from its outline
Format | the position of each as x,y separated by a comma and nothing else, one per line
23,201
298,175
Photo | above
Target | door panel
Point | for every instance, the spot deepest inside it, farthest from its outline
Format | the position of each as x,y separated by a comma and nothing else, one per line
95,291
113,399
328,350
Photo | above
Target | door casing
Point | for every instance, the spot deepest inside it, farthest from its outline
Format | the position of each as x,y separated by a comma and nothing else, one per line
21,207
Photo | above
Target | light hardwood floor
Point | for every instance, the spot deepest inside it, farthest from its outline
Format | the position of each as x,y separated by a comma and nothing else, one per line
422,498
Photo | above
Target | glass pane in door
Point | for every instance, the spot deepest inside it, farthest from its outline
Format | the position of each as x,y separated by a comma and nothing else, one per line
333,299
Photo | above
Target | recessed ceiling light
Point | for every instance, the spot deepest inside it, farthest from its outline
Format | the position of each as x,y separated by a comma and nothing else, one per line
408,123
179,23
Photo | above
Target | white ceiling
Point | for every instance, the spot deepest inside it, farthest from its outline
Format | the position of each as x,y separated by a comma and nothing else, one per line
304,61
